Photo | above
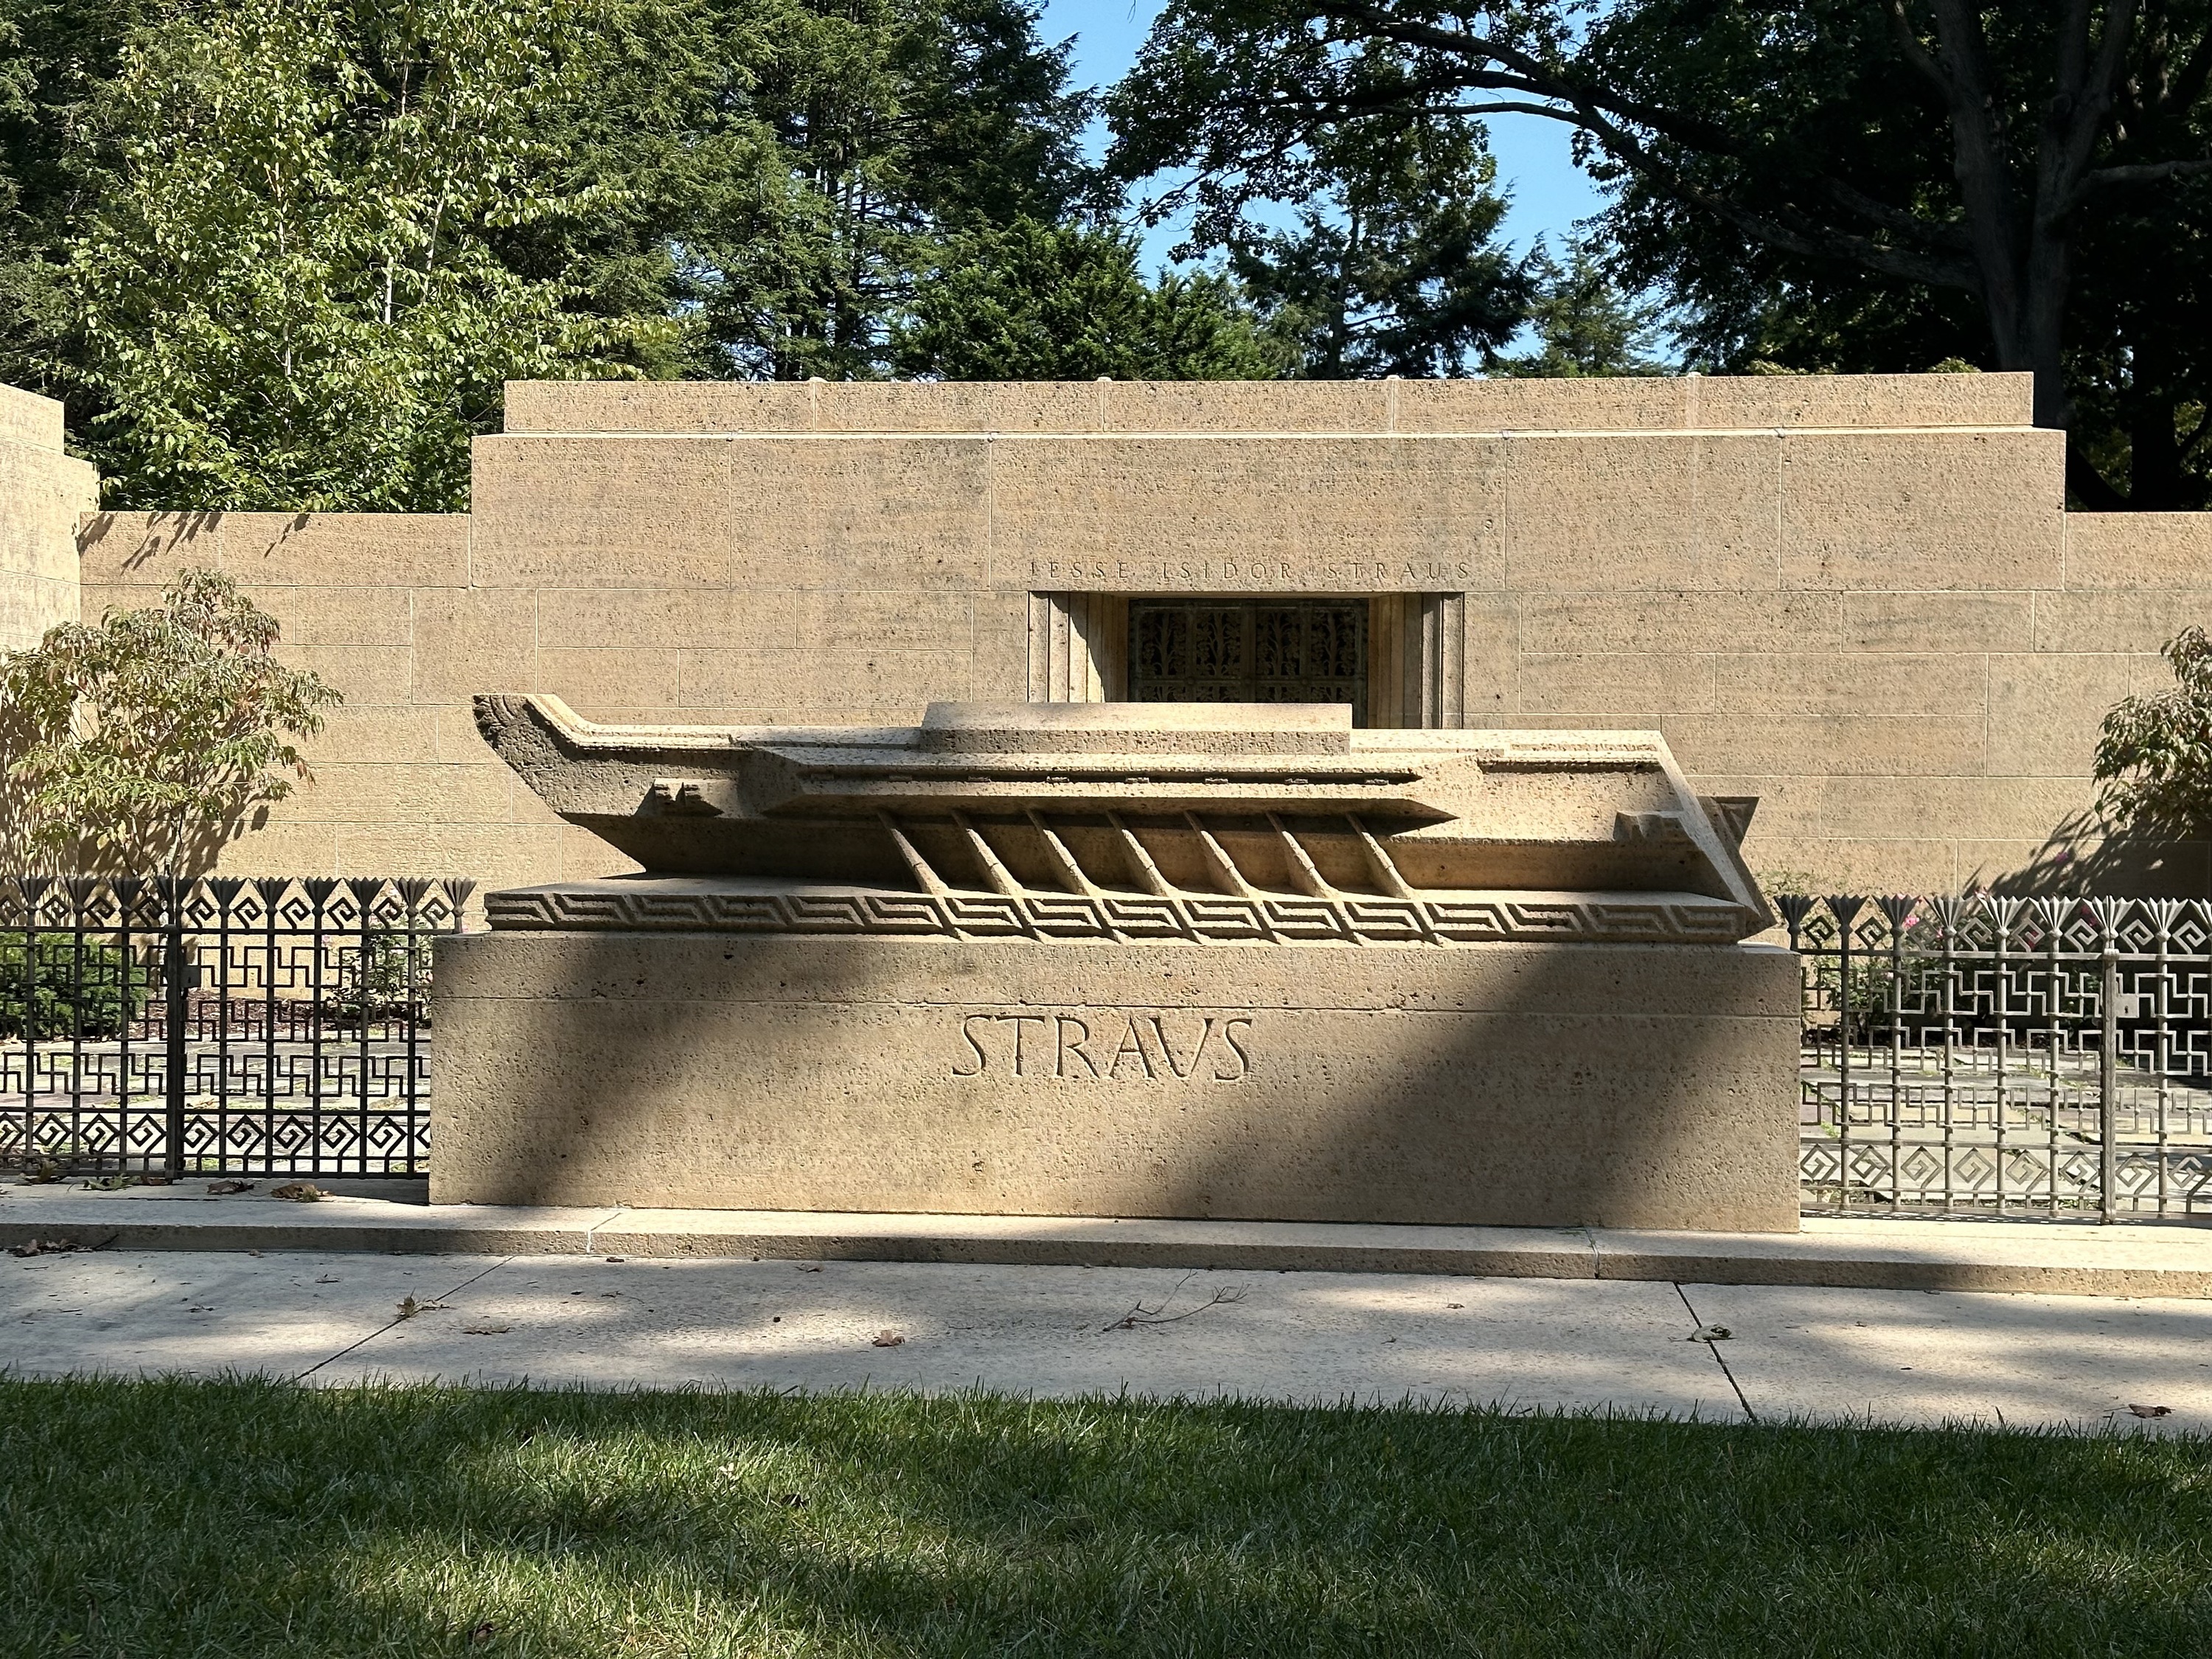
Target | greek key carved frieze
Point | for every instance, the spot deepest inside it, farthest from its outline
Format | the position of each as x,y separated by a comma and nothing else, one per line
1459,919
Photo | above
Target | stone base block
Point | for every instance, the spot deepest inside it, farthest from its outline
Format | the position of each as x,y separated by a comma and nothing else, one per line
1617,1085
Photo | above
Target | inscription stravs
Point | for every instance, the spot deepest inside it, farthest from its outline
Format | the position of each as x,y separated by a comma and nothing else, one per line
1107,1046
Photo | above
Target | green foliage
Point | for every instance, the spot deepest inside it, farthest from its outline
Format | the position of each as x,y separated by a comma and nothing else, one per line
382,977
1821,88
284,255
54,55
2153,760
69,987
1583,322
142,743
905,136
1823,185
1393,267
291,293
1040,301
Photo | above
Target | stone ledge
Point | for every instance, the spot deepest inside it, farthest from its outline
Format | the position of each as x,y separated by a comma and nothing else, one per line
2047,1258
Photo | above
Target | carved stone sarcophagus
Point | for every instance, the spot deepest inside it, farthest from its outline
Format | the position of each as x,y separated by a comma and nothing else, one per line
1248,821
1233,960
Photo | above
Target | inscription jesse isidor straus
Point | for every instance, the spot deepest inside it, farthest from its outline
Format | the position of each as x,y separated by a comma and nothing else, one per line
1073,1046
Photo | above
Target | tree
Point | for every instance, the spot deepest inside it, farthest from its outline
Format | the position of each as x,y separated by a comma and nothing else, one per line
1040,301
2153,760
141,744
1393,267
1970,155
290,293
1583,323
894,126
54,54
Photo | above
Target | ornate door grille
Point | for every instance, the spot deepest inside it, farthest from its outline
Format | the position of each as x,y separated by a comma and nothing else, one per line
1249,651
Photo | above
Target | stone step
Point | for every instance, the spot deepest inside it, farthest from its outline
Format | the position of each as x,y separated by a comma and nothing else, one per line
2072,1258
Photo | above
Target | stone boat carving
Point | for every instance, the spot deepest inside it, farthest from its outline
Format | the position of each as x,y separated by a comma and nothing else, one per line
1249,822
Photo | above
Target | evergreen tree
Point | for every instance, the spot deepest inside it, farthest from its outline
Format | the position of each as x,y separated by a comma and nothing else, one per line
1583,323
1393,267
897,124
1040,301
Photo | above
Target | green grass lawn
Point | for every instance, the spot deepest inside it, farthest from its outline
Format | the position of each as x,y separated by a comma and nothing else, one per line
208,1519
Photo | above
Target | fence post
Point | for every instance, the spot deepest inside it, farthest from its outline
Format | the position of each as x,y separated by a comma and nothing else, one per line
174,973
2108,1111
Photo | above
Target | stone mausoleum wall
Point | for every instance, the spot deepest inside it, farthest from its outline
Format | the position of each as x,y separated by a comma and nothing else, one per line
1858,598
43,492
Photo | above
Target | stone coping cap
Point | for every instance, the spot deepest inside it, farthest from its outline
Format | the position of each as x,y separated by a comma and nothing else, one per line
1628,405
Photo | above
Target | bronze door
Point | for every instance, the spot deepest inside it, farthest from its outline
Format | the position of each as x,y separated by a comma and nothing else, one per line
1249,651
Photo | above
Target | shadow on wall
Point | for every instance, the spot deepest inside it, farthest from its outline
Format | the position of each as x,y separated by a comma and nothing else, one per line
2082,856
1599,1084
164,533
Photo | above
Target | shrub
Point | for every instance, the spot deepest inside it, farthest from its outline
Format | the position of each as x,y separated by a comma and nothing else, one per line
2154,754
72,988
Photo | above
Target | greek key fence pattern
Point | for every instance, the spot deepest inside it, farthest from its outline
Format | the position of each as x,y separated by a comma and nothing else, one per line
2005,1056
161,1027
2045,1057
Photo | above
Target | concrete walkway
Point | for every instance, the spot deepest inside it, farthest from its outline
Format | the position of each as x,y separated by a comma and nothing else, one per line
1904,1357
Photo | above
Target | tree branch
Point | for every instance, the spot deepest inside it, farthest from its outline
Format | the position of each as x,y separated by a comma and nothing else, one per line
1553,97
2188,87
2090,101
1908,43
1934,232
2143,173
1521,72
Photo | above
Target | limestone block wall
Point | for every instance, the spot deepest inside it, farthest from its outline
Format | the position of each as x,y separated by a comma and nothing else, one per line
45,491
380,605
1858,598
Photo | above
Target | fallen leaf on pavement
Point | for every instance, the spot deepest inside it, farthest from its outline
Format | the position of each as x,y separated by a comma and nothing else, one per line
887,1340
485,1330
221,1187
408,1307
298,1192
43,1172
43,1247
111,1183
1711,1334
812,1267
2152,1411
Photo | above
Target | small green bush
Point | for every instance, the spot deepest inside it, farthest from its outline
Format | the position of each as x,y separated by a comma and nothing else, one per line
70,989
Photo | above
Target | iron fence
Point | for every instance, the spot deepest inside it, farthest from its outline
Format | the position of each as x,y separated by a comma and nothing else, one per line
228,1026
1961,1056
2005,1056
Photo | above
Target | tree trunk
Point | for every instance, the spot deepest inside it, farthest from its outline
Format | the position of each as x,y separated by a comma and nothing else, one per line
2154,481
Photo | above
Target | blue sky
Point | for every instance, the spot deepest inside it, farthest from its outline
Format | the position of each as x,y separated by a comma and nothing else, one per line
1549,192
